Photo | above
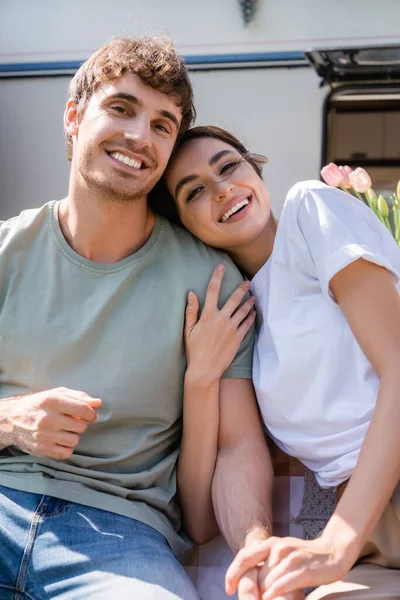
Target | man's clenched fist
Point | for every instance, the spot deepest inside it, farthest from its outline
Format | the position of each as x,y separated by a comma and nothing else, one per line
48,423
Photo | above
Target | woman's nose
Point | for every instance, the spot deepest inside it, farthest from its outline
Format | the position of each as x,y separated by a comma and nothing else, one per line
224,189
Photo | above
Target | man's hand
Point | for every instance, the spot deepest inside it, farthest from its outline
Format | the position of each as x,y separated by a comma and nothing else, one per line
287,565
251,585
49,423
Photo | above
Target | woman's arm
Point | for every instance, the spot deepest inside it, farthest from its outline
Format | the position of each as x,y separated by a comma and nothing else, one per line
211,344
371,304
197,458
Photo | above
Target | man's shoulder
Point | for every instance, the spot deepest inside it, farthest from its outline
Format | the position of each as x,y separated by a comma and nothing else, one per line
16,226
194,259
192,247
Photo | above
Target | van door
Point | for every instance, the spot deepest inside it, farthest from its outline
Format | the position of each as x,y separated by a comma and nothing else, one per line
361,113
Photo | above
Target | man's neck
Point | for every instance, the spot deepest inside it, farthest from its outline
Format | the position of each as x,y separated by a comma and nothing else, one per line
105,232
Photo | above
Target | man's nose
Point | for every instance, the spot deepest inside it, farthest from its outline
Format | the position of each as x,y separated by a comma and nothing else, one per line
139,131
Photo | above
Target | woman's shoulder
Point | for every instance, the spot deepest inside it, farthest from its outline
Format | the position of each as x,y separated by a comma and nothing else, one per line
304,192
300,189
314,201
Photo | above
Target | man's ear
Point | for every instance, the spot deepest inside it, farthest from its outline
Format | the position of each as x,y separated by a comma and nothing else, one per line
71,124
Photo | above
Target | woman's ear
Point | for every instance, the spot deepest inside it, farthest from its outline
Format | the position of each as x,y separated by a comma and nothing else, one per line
71,124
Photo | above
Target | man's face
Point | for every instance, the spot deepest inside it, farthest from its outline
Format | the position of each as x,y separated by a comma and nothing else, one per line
123,140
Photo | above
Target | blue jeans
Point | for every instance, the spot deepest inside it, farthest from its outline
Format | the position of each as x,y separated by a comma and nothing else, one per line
51,548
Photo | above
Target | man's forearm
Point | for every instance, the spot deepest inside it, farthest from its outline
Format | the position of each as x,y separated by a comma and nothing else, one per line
242,491
5,425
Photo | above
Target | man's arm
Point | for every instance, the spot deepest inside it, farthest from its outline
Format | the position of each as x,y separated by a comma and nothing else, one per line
242,484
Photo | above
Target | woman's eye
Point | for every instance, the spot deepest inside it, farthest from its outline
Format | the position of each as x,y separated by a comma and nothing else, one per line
193,194
229,166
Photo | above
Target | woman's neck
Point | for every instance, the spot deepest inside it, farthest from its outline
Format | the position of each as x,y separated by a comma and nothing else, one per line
250,258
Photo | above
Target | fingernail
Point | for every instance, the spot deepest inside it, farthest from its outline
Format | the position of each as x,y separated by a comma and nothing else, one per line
190,297
220,267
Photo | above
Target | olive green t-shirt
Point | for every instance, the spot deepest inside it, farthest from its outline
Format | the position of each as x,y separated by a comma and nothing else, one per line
114,331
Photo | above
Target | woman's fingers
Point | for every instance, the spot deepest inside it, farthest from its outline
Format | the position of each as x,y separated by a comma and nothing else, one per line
230,308
246,325
248,586
192,313
247,558
288,583
243,311
212,296
235,299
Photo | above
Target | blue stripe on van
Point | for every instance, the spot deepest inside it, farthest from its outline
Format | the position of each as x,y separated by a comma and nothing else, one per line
206,59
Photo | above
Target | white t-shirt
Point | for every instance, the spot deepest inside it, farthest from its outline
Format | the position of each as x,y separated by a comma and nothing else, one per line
315,387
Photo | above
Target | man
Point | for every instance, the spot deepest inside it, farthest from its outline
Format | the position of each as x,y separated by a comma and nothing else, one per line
93,292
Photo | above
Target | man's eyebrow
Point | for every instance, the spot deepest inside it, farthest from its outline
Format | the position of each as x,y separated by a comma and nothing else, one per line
133,100
128,97
184,181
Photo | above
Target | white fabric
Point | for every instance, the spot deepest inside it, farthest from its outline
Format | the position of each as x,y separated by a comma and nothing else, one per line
315,387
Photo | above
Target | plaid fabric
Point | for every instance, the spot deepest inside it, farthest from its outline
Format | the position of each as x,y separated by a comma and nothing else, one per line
288,495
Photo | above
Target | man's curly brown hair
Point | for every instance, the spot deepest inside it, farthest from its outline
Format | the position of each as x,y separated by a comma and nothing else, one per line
154,59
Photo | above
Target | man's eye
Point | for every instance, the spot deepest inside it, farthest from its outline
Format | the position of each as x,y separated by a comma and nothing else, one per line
119,109
162,128
193,194
229,166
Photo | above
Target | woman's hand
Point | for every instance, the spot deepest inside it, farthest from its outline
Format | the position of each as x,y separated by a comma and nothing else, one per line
290,564
213,339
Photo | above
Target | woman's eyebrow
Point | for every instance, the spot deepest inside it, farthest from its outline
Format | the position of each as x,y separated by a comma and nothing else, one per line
217,156
184,181
188,178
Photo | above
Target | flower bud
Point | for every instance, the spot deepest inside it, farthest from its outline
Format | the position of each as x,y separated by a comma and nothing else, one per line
360,180
383,206
345,171
331,175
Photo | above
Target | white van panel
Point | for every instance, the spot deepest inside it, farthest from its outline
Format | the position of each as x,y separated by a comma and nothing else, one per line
277,112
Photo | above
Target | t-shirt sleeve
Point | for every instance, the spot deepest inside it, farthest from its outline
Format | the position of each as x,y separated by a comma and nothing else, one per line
339,229
241,365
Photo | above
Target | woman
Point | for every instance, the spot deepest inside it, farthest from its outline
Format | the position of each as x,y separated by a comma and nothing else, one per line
326,363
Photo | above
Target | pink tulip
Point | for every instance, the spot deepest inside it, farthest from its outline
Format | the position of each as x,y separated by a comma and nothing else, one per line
345,171
331,175
360,180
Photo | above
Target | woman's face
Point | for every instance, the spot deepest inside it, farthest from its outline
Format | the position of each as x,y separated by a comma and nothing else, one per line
220,197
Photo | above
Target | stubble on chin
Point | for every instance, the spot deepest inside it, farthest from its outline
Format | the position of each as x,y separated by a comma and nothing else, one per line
107,191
